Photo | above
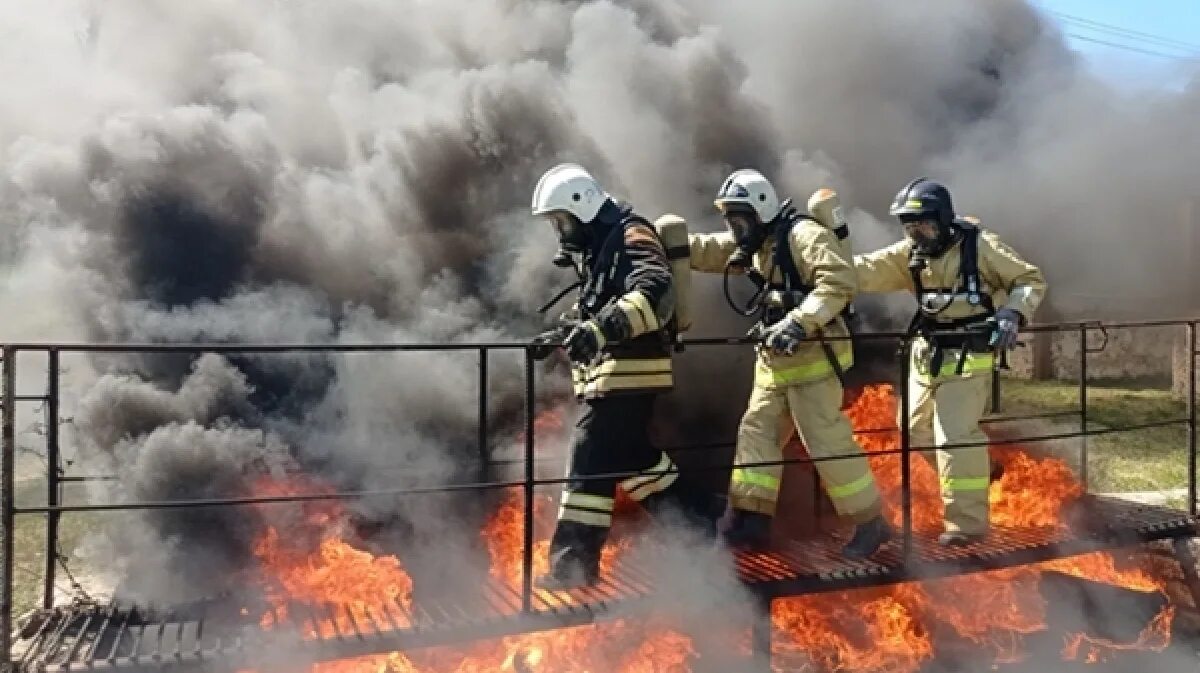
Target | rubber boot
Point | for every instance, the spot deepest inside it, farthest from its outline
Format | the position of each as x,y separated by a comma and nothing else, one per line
574,556
710,508
750,530
570,568
958,539
699,509
868,538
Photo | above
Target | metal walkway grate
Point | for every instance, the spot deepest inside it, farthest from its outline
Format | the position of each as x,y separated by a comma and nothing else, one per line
817,566
126,639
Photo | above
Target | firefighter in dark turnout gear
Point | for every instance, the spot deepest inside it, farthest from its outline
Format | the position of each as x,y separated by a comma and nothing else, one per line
973,293
619,348
807,275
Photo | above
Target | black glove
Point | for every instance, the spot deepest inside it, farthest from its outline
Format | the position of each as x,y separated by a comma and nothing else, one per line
613,323
1005,335
584,342
784,336
545,343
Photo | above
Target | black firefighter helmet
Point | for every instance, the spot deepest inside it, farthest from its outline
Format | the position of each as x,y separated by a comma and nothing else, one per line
924,199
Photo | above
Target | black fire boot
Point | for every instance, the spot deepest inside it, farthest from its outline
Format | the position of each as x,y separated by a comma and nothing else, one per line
958,538
694,508
570,570
710,509
704,510
751,530
868,538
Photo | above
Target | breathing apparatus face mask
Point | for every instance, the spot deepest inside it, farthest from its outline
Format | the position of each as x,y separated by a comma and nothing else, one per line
572,235
928,236
749,233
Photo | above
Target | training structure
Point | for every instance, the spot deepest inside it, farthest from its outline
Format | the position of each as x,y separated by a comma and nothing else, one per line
115,636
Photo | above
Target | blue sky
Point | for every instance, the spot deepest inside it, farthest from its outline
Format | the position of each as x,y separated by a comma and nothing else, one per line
1174,21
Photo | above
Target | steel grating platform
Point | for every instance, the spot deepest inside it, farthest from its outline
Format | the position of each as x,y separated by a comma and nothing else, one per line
127,639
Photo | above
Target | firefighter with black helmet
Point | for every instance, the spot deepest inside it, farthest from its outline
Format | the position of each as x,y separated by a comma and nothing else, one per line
804,271
618,341
973,294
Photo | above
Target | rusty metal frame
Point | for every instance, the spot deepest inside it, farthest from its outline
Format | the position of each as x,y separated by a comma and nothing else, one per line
80,635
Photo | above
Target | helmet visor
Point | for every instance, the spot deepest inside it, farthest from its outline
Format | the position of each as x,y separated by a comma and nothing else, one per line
740,224
924,232
571,234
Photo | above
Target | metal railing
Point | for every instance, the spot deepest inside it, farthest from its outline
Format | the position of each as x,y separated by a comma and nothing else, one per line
529,482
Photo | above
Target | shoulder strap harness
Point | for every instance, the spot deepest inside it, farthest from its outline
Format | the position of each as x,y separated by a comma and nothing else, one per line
793,282
924,320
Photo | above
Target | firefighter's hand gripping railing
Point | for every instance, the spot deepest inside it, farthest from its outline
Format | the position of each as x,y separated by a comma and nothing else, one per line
528,482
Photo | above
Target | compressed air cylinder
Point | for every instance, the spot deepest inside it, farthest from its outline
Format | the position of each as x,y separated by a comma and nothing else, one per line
826,208
672,229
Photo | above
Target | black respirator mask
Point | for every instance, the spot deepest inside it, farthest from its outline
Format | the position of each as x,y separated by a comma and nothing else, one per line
750,235
573,238
572,234
925,245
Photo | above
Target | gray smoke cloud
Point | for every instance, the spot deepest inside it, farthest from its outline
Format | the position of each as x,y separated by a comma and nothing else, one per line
360,171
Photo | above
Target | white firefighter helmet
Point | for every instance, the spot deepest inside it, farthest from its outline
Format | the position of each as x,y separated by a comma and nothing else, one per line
748,187
569,188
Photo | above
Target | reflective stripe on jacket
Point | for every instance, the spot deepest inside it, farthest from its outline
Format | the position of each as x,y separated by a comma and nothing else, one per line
821,260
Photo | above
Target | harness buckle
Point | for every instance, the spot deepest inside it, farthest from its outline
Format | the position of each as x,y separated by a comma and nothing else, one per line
785,299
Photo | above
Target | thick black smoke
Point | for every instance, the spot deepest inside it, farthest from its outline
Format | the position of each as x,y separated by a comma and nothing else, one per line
360,171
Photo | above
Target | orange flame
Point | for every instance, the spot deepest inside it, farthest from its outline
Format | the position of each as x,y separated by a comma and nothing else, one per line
336,573
618,646
891,630
504,537
1156,636
333,573
1031,492
884,630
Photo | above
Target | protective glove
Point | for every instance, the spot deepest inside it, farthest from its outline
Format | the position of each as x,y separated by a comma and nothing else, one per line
613,323
545,343
784,337
584,342
1004,336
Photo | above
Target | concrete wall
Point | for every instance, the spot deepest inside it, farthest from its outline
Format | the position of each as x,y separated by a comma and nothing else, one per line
1135,353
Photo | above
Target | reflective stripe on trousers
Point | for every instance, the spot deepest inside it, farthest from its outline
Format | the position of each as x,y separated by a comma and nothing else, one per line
815,411
654,480
946,411
587,509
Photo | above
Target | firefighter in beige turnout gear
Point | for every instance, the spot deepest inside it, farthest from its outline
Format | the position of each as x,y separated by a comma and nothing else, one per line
619,348
973,293
803,267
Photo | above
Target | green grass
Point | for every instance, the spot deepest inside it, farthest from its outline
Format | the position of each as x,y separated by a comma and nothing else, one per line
1143,460
29,546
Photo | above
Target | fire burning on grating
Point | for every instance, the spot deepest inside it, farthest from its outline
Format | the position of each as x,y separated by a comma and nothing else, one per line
889,629
328,598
